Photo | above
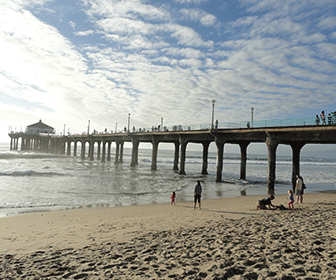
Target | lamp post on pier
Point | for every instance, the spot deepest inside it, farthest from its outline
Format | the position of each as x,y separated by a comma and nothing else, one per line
213,113
88,131
128,122
252,110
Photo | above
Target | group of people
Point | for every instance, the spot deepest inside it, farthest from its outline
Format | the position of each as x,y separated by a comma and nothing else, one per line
265,203
197,195
322,119
300,186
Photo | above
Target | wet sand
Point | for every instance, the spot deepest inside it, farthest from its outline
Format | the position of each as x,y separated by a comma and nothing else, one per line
227,239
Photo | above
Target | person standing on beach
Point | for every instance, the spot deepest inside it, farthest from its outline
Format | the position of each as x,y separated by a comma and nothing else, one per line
291,199
197,194
299,189
322,115
172,198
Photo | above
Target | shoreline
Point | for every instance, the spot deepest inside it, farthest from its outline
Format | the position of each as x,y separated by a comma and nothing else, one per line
228,207
228,236
60,208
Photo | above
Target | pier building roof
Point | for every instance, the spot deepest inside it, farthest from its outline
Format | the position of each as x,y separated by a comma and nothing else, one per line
39,127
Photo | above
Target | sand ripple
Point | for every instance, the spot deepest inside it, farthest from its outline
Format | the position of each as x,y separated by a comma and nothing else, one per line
298,244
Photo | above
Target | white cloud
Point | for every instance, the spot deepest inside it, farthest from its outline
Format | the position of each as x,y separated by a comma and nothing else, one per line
201,16
84,33
187,36
208,20
185,52
328,22
72,24
125,26
146,62
190,1
130,9
49,75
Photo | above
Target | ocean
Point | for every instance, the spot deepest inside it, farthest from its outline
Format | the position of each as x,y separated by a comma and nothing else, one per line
32,182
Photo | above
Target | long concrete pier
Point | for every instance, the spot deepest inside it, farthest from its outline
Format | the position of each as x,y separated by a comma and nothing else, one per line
296,137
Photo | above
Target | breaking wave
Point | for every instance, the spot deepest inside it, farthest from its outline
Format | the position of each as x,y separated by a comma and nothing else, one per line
32,173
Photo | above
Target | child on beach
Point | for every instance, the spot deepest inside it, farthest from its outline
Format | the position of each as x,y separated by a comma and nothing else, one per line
172,198
291,199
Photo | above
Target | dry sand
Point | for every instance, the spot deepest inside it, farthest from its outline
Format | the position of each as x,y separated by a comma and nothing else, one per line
227,239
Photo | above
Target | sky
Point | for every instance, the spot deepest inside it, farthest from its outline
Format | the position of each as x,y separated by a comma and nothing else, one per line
69,61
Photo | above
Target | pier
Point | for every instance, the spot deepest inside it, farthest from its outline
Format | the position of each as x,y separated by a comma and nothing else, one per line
294,136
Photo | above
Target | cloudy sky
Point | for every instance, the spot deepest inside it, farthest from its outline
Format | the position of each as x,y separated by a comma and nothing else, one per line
70,61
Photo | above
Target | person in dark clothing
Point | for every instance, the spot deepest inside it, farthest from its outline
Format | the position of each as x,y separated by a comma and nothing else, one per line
197,194
266,203
323,118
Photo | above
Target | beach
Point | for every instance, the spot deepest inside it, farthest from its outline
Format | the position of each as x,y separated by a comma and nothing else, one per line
227,238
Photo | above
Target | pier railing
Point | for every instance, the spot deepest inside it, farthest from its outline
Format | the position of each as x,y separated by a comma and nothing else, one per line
219,125
241,124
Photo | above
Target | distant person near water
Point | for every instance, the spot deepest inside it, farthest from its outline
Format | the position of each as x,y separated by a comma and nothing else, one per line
197,194
317,120
172,198
291,199
299,188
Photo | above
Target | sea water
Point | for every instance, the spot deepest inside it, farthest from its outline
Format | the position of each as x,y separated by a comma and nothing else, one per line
43,182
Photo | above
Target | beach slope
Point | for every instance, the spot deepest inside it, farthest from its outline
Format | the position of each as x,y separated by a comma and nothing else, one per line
228,238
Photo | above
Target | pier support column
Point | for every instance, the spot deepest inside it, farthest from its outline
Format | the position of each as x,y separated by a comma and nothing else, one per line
205,158
35,144
220,152
75,149
83,150
68,148
54,146
90,148
176,156
135,148
15,143
121,152
296,150
22,143
243,159
117,152
91,153
184,144
103,152
98,150
154,153
11,144
62,146
271,147
109,150
31,143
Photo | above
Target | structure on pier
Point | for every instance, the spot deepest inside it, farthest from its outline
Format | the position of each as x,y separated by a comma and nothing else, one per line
39,127
296,137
